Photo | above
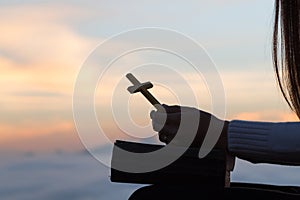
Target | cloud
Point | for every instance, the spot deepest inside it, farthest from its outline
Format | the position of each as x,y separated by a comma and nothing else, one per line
268,115
40,55
37,93
58,176
43,136
35,34
80,177
38,47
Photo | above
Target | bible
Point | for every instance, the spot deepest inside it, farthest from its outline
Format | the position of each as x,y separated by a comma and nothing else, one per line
188,169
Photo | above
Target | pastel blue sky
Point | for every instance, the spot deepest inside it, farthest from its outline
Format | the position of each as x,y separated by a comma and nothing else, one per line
44,43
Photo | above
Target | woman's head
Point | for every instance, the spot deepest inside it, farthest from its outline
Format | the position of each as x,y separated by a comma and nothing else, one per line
286,50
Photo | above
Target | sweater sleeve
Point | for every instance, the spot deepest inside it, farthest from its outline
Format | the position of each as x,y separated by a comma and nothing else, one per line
265,142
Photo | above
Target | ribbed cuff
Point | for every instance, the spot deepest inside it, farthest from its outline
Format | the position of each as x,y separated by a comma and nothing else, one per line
265,142
249,140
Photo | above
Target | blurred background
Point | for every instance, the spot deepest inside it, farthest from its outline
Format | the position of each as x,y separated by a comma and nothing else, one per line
42,47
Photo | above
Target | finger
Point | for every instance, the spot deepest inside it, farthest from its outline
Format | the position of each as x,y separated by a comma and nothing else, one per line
158,117
175,109
164,129
167,133
163,137
152,113
171,109
157,126
168,119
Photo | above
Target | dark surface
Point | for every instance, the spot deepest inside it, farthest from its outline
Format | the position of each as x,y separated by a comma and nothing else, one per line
188,169
236,191
191,178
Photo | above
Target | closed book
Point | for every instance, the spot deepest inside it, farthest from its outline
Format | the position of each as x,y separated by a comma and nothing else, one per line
187,169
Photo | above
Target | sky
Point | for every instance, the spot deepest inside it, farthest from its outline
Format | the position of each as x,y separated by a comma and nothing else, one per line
44,44
76,176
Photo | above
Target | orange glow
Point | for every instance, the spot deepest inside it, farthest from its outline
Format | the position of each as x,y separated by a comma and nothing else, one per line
41,57
39,137
274,116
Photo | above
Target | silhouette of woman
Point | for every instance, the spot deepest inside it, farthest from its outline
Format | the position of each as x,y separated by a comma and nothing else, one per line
257,142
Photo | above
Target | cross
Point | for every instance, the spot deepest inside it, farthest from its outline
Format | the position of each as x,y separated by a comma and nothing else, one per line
143,88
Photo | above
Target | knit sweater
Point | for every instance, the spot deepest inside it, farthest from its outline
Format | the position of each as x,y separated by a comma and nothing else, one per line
265,142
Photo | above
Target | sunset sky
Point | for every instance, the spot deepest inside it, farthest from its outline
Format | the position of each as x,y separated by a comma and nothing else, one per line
43,45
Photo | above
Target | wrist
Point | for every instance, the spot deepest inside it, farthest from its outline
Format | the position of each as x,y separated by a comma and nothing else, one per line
223,139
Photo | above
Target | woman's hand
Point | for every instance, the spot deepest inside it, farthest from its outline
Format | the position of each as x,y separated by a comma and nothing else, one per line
167,124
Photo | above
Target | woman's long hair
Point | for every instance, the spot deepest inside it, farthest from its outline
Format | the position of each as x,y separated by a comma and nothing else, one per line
286,50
